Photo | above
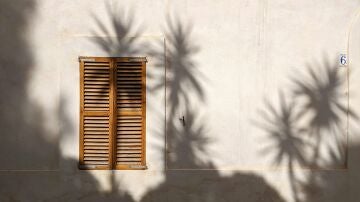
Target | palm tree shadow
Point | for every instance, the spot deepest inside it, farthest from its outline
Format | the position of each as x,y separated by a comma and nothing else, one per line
188,144
314,118
184,89
321,93
183,84
287,142
318,98
183,77
191,175
187,139
281,127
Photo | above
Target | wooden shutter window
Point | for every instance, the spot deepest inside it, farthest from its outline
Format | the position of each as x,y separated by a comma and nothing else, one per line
112,113
130,139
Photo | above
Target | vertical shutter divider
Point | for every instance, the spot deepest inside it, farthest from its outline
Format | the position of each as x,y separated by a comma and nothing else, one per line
112,114
143,92
81,128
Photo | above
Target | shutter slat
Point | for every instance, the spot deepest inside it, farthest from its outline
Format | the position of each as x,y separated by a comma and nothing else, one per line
93,75
96,71
129,101
129,90
96,140
96,133
99,91
129,117
97,147
95,143
97,79
97,94
97,118
91,158
95,152
129,151
98,125
120,140
128,79
129,155
120,159
89,98
127,123
96,129
129,132
130,121
96,121
130,137
123,128
128,87
128,94
91,86
129,107
97,64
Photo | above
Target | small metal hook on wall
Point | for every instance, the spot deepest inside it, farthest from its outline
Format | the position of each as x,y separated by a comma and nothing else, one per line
182,120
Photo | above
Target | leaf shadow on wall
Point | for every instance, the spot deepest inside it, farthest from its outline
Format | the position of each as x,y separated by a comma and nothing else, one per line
22,119
307,132
186,140
120,39
30,152
190,174
183,84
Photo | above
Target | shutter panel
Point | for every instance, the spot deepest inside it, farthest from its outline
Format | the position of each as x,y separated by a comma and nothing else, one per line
112,113
95,120
130,123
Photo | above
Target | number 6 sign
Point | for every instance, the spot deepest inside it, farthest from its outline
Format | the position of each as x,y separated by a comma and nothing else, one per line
343,61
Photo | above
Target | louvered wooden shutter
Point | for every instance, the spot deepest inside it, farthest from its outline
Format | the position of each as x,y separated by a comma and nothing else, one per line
130,139
112,113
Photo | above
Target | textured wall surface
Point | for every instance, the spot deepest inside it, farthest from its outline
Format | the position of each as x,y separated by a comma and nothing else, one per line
270,114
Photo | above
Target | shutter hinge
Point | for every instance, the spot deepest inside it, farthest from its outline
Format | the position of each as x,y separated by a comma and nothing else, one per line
86,59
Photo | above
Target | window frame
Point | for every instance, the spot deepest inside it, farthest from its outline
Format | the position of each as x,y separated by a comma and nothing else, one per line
113,113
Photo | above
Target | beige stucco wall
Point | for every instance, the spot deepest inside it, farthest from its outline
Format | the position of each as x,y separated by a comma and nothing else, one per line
223,65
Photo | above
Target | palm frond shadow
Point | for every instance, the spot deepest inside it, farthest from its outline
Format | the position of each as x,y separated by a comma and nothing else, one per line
183,84
70,184
188,143
119,39
322,91
283,132
318,100
286,139
183,76
191,175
